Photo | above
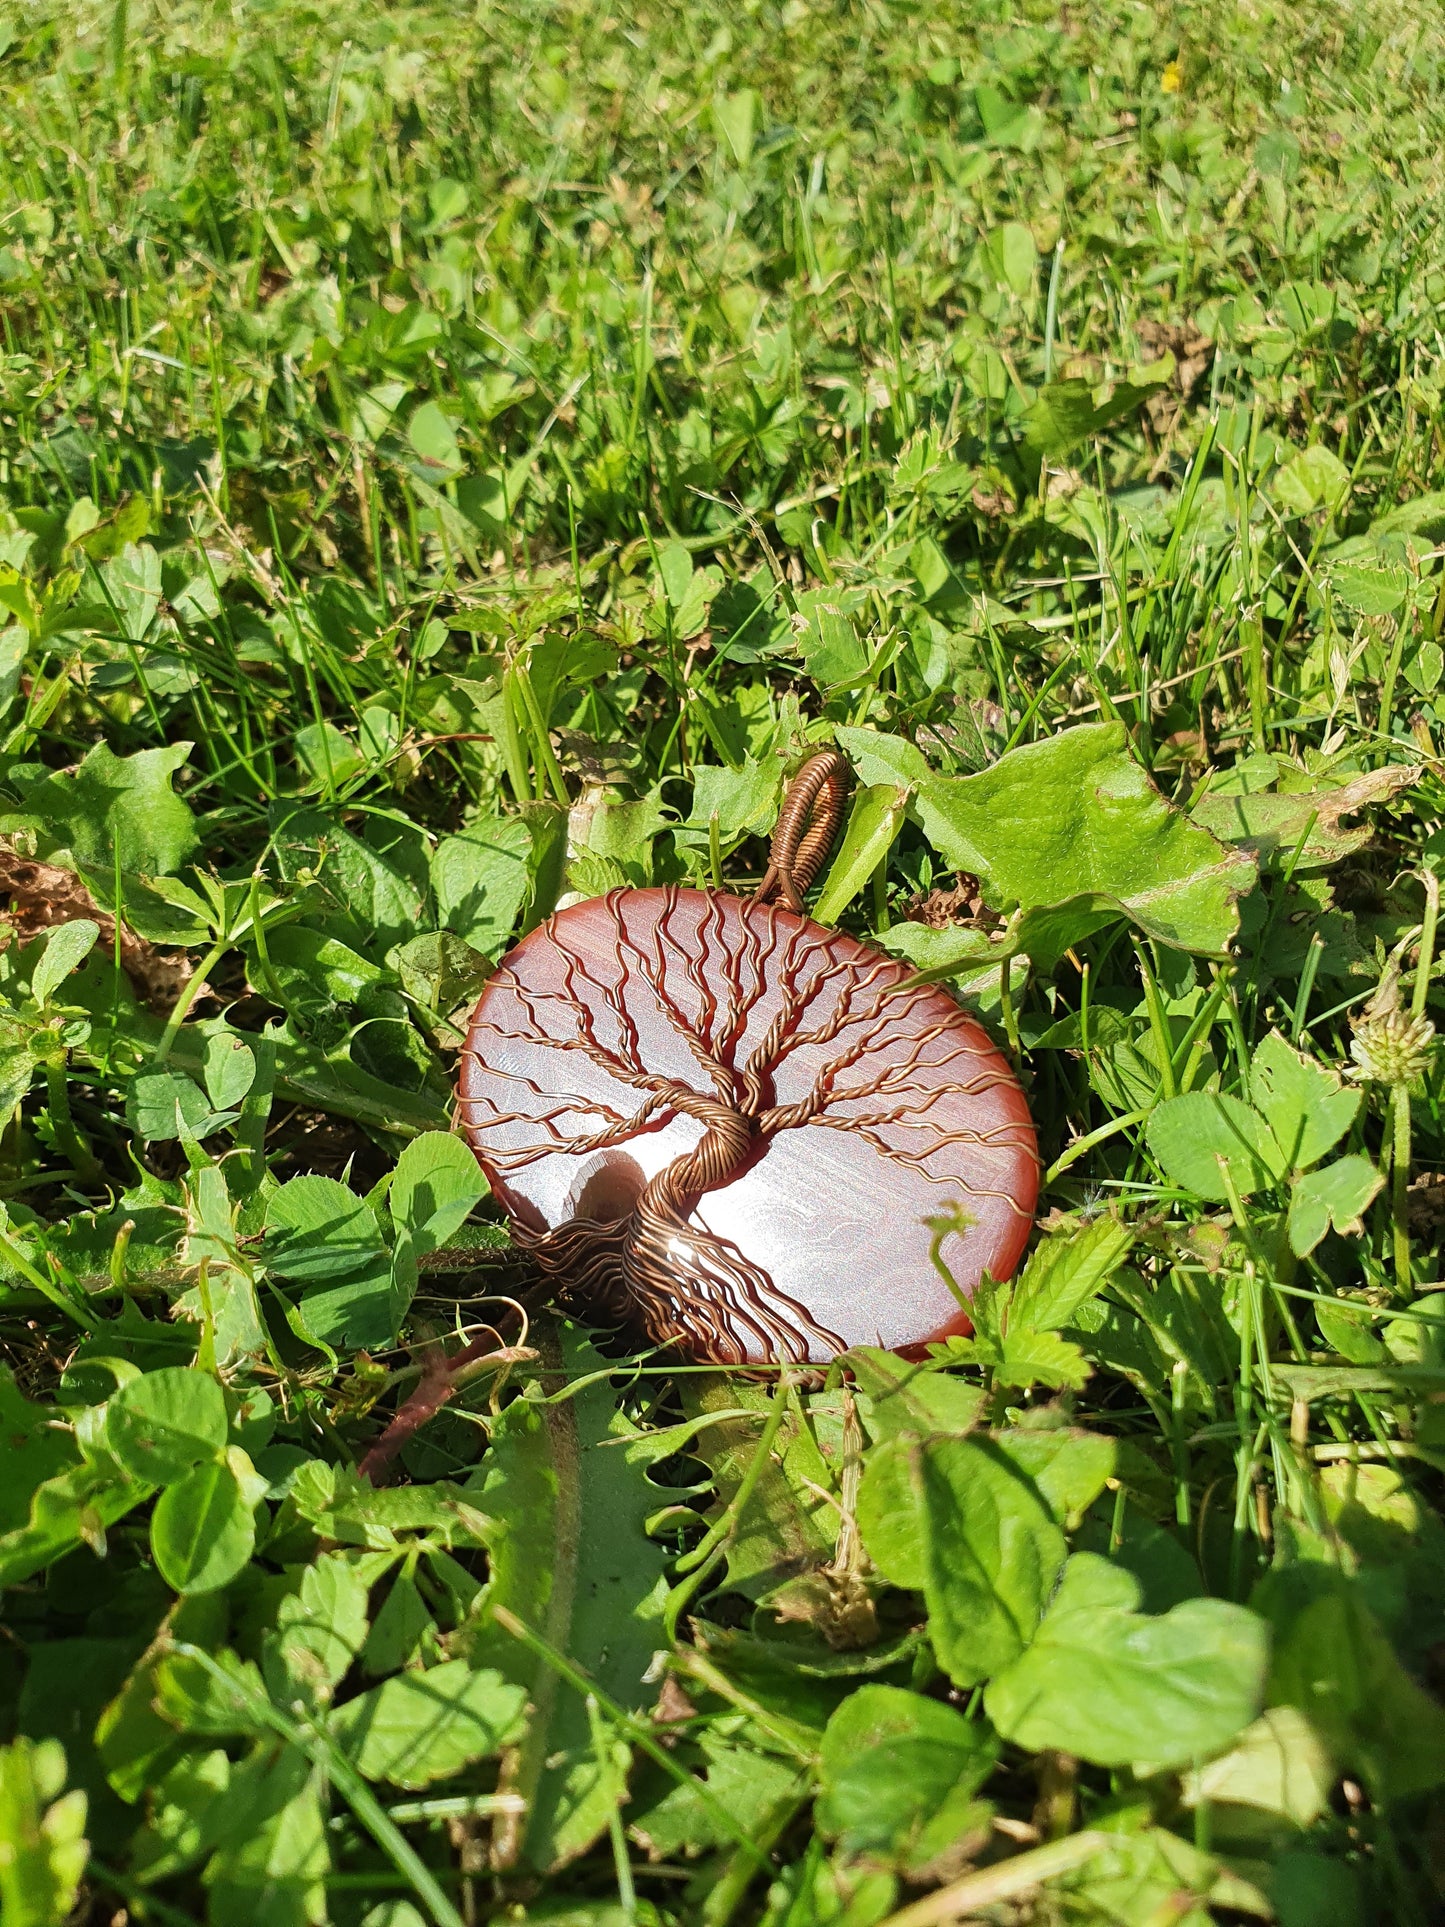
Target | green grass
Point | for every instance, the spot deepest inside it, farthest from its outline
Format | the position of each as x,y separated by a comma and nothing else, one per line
418,423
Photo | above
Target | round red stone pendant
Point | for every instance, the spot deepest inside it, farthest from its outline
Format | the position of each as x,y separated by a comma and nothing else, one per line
727,1124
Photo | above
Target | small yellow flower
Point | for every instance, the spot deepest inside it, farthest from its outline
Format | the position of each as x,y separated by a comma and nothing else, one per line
1172,78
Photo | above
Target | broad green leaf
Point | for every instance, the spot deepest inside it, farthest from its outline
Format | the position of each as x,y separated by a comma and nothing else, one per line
898,1774
1008,123
1306,1105
825,634
163,1424
118,812
1311,479
64,949
1065,413
1333,1662
440,971
1012,258
874,821
349,1509
321,1628
18,1065
960,1515
881,760
890,1512
1369,590
420,1727
1073,825
32,1450
317,1229
202,1531
1063,1272
375,885
435,440
1068,1465
907,1398
785,1527
1114,1686
687,593
1278,1765
1337,1195
70,1509
953,952
480,879
273,1858
1025,1358
399,1629
1191,1134
1151,1875
744,800
190,1696
1164,1571
750,1787
43,1849
618,827
161,1105
133,586
436,1183
735,118
230,1069
1305,827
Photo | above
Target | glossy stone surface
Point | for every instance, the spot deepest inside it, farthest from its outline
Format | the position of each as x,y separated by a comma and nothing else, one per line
868,1109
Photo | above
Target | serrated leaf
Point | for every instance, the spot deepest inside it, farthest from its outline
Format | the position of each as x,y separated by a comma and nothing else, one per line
1117,1687
321,1627
119,812
1065,1272
909,1398
1306,1105
1367,589
743,800
480,878
1040,1358
1190,1135
1336,1195
420,1727
43,1849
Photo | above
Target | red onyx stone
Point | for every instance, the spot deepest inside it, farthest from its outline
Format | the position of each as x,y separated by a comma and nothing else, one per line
720,1121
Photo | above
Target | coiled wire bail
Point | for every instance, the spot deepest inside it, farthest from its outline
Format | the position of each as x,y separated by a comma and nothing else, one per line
807,824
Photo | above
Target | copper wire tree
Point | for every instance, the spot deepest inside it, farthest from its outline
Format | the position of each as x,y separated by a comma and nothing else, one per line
711,1117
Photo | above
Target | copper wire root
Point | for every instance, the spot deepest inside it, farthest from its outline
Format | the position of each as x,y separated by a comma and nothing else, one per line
807,823
678,1279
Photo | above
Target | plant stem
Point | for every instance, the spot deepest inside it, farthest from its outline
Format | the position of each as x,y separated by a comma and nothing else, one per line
187,997
1400,1187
